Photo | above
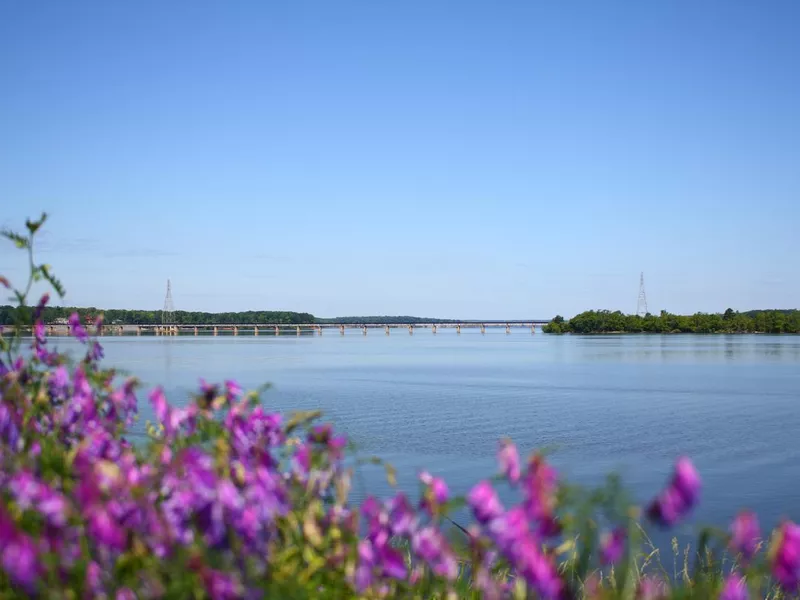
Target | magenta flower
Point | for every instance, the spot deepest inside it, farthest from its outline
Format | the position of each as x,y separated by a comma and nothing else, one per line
745,534
39,332
484,502
612,546
786,559
232,390
301,461
430,545
37,313
735,588
96,353
508,530
679,497
125,594
539,570
105,530
18,554
651,588
76,329
435,494
508,459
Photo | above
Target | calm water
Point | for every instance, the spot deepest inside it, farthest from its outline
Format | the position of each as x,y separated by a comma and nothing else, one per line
624,403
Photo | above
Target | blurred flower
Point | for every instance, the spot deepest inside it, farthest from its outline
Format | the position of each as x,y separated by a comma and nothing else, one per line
679,497
508,459
76,329
786,557
612,546
745,534
651,588
435,494
734,588
484,502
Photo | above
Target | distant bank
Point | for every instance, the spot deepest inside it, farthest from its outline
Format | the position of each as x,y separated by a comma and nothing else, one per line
60,314
604,321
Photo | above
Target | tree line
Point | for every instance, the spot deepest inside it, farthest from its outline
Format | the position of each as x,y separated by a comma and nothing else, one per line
154,317
605,321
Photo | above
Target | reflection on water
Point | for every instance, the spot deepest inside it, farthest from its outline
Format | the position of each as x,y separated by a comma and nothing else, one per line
624,403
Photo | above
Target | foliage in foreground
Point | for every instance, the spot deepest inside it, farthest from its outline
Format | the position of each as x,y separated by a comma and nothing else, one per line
605,321
226,500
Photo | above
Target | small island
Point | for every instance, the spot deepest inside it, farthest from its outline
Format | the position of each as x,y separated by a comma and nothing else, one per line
606,321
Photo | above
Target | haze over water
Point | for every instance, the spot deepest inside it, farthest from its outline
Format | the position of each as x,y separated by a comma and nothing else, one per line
629,404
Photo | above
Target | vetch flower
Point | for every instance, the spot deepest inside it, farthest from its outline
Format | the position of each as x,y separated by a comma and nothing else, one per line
745,534
679,497
735,588
76,329
612,546
484,502
508,459
786,557
435,494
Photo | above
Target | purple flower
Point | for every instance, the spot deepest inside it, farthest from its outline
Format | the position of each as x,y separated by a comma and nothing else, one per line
745,534
786,558
484,502
679,497
232,390
222,586
508,530
612,545
508,459
18,554
104,528
539,487
39,332
435,493
538,569
37,313
96,353
401,515
76,329
429,545
735,588
125,594
302,460
366,562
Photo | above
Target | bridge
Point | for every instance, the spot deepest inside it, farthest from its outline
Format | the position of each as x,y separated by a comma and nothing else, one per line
277,329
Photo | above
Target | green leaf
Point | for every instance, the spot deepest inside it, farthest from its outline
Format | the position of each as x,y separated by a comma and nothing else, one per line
19,240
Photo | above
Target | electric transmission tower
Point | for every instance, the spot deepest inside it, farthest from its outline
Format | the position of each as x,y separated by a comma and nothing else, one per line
168,314
641,305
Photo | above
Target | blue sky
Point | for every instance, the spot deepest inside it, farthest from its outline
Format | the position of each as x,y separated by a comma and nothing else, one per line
452,159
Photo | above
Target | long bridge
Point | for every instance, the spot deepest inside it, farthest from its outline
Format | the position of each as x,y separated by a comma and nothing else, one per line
277,329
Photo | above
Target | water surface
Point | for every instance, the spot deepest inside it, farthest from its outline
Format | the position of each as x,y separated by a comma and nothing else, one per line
625,403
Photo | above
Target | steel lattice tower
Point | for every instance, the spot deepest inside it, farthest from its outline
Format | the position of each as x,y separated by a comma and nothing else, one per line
641,305
168,314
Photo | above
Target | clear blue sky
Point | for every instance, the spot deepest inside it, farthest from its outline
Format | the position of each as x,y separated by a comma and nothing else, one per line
453,159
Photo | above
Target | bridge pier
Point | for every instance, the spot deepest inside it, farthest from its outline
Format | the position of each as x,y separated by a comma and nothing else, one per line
235,330
458,329
341,329
298,330
508,328
434,329
533,329
255,330
365,330
138,330
387,329
216,330
483,328
319,330
277,330
410,330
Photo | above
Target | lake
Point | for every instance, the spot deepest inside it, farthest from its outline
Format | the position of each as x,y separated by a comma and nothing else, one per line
629,404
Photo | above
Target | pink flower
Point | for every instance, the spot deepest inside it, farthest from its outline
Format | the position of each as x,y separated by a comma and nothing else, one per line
484,502
508,459
745,534
735,588
786,559
436,492
679,497
612,546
